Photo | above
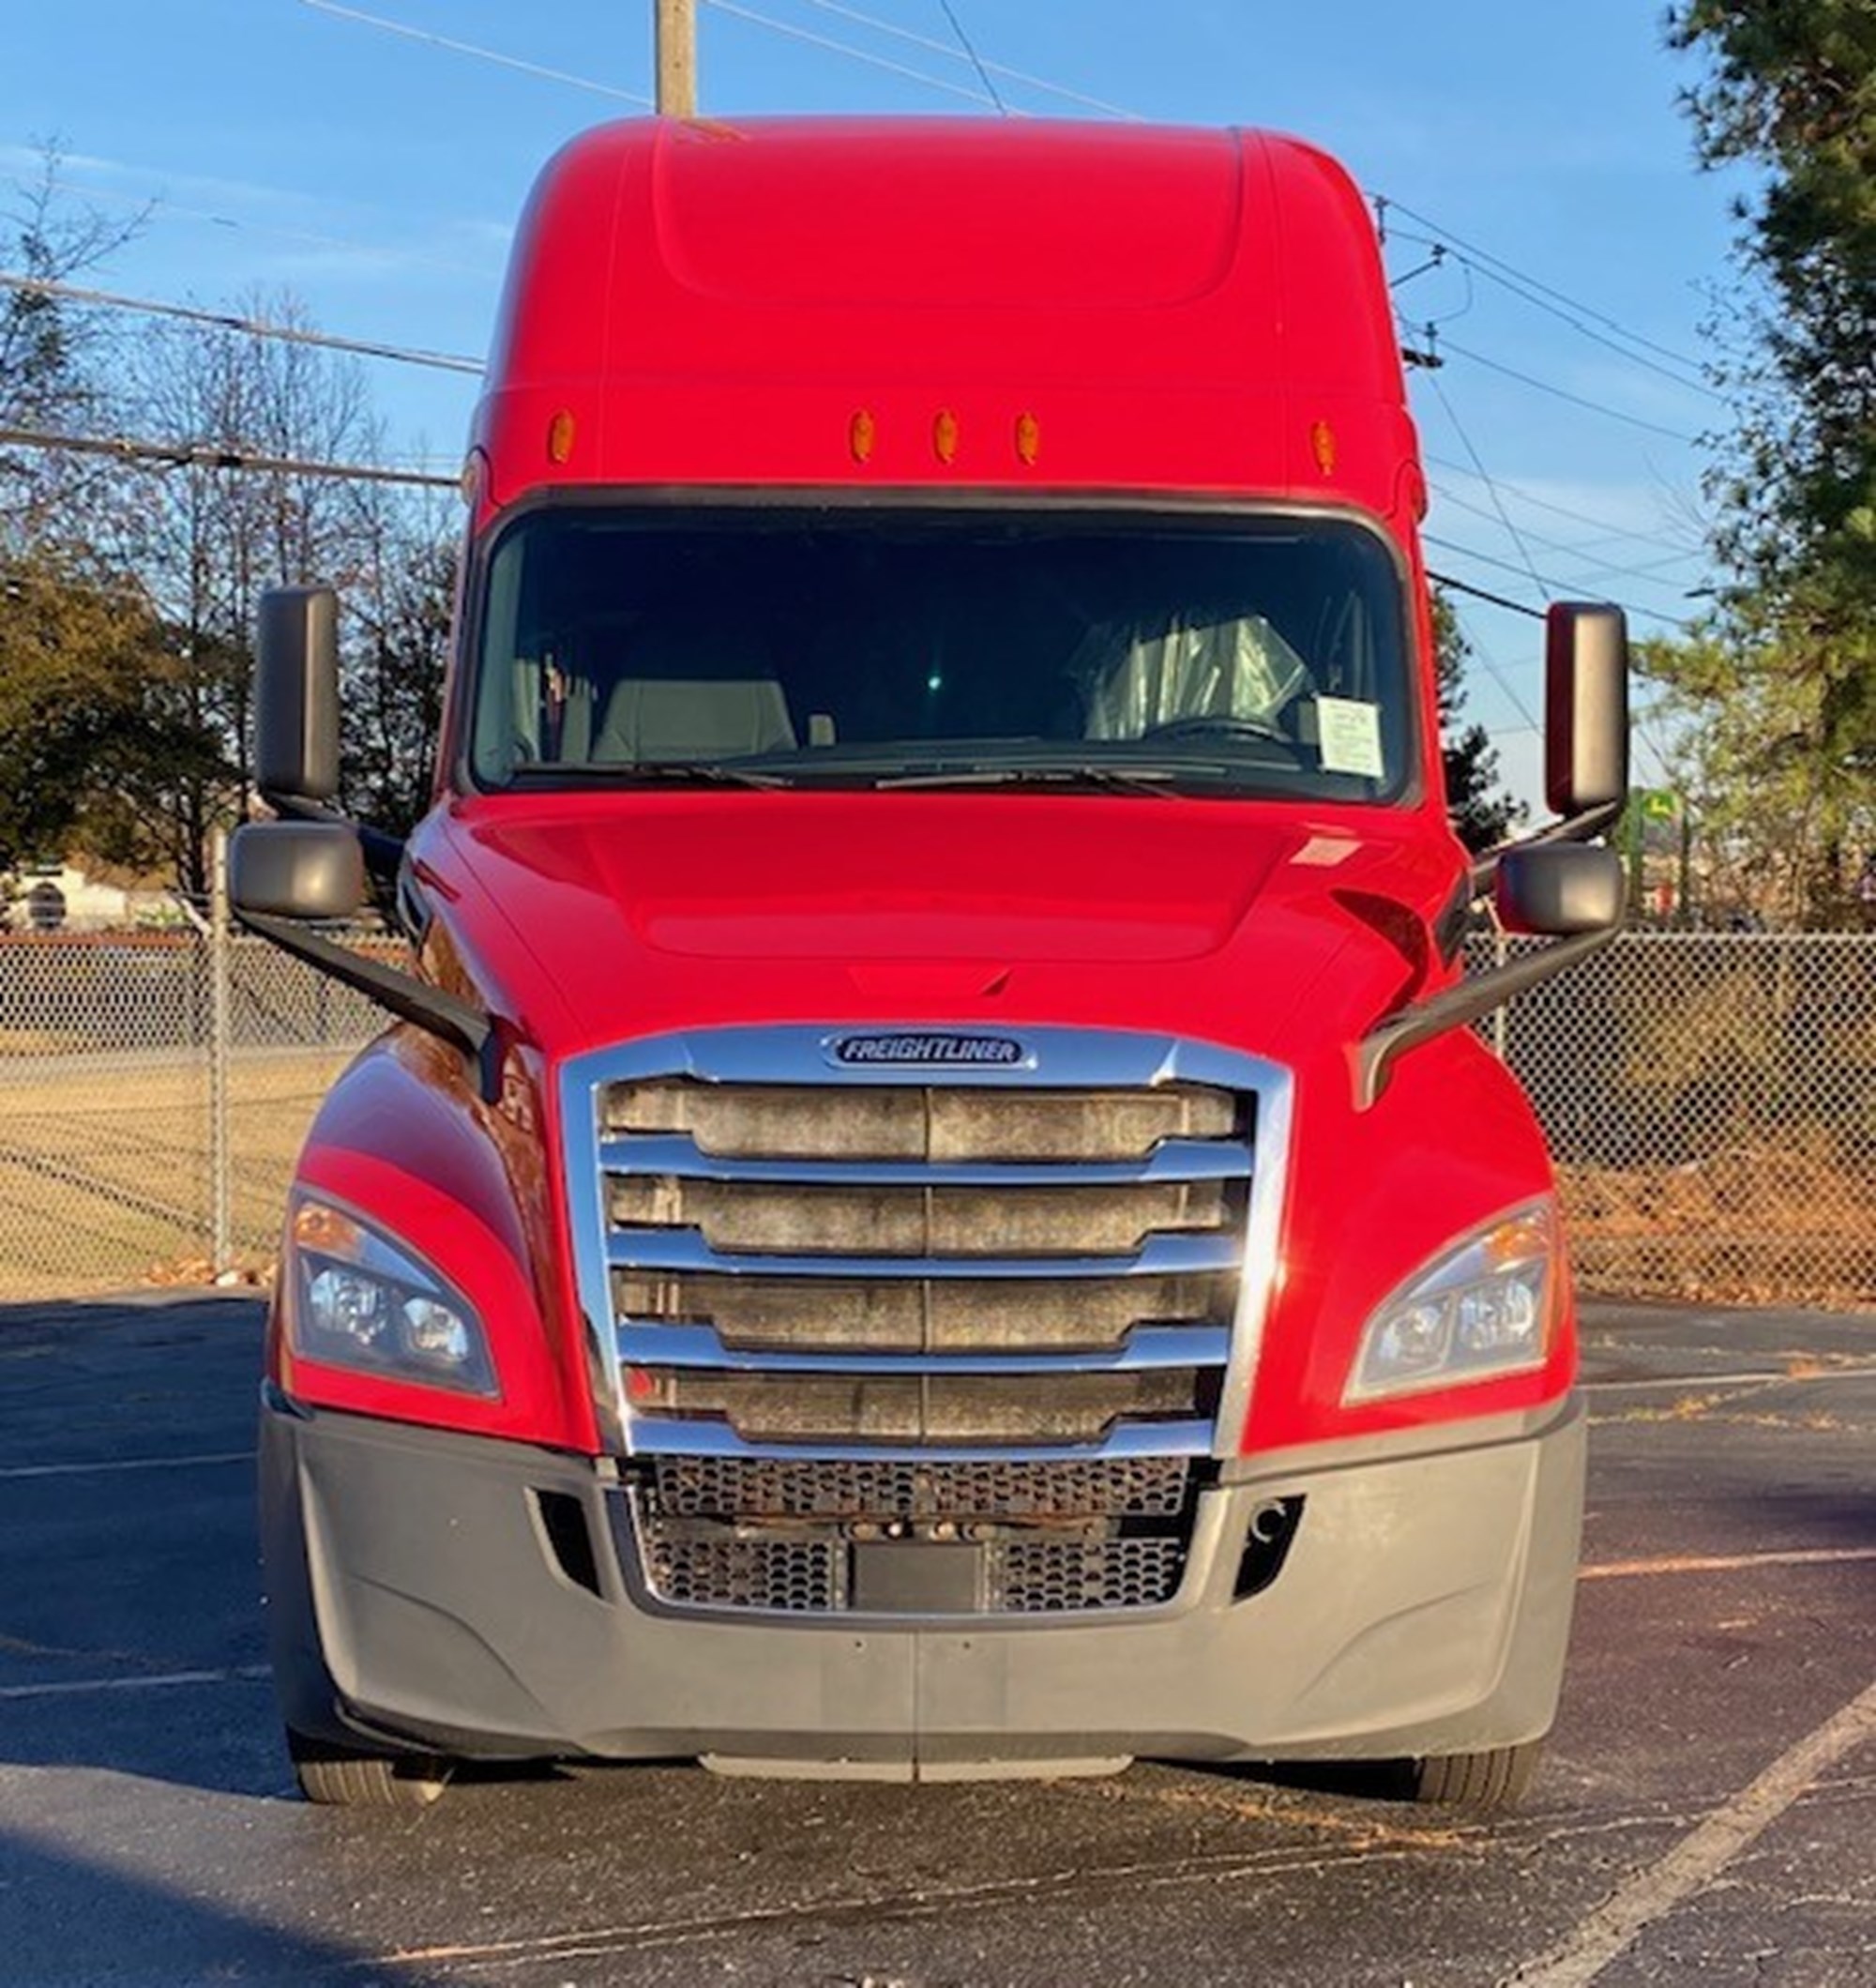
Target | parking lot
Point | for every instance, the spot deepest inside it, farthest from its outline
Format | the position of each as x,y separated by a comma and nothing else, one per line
1708,1804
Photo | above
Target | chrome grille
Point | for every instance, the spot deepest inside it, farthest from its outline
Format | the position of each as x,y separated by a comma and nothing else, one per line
946,1280
926,1339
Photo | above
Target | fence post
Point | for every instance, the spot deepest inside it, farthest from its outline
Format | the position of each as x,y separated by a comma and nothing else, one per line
220,1157
1500,952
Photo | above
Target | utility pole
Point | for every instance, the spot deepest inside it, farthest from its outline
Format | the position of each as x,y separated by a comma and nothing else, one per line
676,38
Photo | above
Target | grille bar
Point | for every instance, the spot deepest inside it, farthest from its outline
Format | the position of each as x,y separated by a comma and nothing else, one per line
681,1250
834,1406
647,1342
1172,1161
656,1435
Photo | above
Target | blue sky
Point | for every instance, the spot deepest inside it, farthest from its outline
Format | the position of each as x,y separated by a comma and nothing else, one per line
285,143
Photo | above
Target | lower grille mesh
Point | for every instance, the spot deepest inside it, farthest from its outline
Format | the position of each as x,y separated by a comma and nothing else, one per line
1045,1538
794,1576
757,1488
1047,1577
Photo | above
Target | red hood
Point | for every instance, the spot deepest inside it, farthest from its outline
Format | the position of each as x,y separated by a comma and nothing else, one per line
587,920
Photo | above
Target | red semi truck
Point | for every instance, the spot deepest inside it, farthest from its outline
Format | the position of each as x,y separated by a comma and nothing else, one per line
929,1210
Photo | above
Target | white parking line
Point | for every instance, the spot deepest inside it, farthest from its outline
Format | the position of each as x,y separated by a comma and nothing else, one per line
1615,1384
1724,1563
1693,1863
162,1680
126,1463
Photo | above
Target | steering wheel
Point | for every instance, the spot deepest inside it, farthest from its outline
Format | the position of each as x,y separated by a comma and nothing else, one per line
1198,725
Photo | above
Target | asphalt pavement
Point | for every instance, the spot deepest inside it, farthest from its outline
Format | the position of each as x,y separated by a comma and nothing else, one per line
1707,1808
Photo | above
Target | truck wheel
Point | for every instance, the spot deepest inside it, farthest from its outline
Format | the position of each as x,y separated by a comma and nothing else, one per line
1495,1778
336,1779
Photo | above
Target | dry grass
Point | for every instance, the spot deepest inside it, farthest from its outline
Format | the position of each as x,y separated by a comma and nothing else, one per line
1789,1226
105,1166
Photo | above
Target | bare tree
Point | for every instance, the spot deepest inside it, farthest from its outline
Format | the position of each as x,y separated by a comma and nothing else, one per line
211,540
55,357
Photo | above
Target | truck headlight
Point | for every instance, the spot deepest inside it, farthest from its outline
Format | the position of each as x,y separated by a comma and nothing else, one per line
1482,1308
359,1299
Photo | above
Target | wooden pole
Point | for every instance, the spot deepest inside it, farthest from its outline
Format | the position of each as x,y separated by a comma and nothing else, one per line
676,39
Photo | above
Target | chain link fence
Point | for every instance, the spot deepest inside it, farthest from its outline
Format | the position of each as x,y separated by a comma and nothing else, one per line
153,1092
1710,1098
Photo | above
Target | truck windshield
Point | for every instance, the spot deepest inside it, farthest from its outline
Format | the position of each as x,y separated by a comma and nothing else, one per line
1244,655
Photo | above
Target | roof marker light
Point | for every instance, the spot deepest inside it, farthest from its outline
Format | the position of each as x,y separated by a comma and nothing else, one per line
560,436
1028,439
1323,446
862,432
944,435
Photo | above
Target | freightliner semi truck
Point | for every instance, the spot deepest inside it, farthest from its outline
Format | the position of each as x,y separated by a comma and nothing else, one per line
929,1207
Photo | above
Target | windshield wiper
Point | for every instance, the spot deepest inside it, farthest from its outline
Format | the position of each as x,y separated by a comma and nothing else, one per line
582,773
1125,780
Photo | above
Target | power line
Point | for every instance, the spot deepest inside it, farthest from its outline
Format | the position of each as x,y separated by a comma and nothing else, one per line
1485,476
1457,244
1484,594
1504,566
1526,495
209,455
1563,393
842,48
1643,713
976,61
469,48
1579,552
1442,252
227,321
160,207
951,55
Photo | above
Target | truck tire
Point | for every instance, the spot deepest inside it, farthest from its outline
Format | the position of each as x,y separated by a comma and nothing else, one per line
336,1779
1495,1778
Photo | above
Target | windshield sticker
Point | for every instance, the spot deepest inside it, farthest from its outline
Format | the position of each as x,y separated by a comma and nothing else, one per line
1350,734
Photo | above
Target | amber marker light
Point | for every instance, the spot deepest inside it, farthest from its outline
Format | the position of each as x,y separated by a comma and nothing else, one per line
862,432
1028,439
944,435
560,436
316,1227
1323,446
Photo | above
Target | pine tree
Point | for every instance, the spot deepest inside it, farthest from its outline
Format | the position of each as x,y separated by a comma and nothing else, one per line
1481,812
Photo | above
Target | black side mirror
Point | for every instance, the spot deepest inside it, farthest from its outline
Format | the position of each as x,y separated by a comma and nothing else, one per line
1585,707
297,870
296,693
1559,888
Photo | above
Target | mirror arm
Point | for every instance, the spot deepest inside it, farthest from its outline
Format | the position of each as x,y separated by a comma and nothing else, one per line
1572,828
457,1022
1375,1054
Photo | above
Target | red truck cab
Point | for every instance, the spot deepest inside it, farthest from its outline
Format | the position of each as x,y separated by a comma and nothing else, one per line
930,1210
